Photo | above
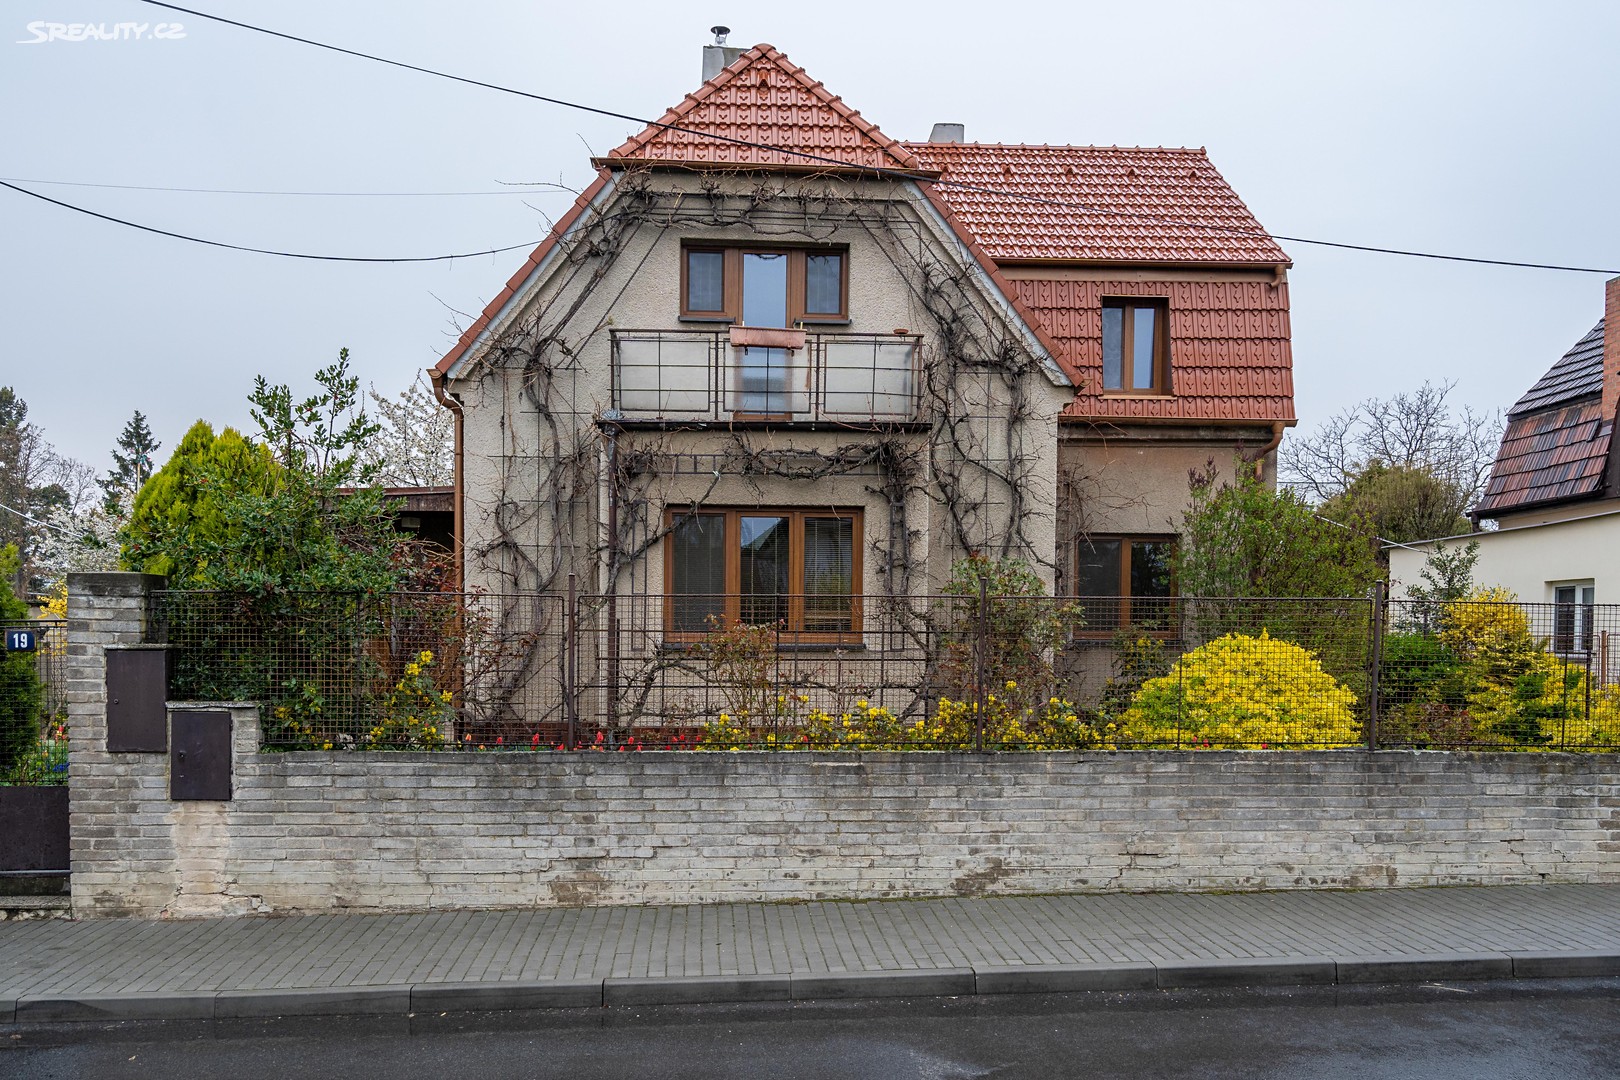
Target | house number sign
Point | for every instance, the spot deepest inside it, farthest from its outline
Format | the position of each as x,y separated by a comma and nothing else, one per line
20,641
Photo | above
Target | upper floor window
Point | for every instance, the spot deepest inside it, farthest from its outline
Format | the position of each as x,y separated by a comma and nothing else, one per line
1136,346
767,287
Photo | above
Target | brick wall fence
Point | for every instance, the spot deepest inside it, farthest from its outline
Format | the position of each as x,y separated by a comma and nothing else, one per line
394,831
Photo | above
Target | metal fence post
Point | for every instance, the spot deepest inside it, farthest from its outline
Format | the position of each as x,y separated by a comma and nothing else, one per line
981,662
1375,661
571,663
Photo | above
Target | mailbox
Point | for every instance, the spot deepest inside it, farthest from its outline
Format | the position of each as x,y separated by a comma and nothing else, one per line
200,755
137,692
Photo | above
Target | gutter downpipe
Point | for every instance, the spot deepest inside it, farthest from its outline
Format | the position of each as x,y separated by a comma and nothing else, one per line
1259,458
458,552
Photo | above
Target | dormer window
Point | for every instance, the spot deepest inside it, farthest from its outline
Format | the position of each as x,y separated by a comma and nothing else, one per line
764,286
1136,346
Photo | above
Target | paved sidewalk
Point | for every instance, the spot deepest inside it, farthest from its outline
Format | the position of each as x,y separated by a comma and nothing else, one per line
134,969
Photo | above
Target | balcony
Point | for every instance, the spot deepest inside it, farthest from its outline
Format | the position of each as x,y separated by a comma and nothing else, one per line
752,374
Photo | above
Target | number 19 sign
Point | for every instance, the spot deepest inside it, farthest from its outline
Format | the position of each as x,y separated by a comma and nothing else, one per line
20,640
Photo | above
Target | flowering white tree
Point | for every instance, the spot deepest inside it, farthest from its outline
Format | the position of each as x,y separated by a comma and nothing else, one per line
82,541
416,446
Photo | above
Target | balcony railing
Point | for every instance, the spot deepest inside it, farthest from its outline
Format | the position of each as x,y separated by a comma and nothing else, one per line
705,375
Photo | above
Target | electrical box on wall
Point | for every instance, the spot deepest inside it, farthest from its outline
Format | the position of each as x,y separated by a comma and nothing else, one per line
137,700
200,755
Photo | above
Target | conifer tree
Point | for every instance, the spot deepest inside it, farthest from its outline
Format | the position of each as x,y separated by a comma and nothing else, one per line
132,461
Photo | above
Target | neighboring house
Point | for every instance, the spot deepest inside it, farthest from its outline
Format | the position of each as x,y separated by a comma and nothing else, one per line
1554,490
765,383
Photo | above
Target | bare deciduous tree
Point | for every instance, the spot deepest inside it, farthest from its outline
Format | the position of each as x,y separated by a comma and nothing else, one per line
1416,430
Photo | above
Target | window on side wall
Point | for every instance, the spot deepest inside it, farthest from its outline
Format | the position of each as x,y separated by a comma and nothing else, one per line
1573,617
1124,581
796,569
1136,346
764,286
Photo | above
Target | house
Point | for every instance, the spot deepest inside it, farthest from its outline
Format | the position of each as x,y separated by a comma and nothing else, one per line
1554,490
777,367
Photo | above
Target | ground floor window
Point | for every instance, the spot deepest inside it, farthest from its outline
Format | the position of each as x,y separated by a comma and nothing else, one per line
793,568
1124,581
1572,617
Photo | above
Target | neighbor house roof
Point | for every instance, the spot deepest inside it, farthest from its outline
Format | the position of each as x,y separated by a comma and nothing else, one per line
1108,204
1556,445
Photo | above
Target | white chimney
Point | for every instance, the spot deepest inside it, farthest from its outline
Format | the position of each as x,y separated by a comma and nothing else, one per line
719,56
948,133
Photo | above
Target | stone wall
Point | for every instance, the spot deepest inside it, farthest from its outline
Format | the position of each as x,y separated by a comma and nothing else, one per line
387,831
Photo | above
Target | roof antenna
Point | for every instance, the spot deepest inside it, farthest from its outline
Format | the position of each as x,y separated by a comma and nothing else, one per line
719,33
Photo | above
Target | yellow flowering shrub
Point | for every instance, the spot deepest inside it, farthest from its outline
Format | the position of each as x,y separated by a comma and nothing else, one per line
416,714
1055,725
1242,692
1487,626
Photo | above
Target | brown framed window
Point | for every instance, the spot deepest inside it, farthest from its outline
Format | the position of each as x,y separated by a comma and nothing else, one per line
764,286
796,569
1124,581
1136,346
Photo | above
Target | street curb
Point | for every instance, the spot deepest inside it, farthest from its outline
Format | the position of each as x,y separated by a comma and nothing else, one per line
1247,971
402,1000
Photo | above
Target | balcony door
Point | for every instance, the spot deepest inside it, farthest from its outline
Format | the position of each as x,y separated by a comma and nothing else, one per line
764,376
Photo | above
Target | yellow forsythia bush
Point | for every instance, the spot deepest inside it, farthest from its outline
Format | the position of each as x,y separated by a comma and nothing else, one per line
1241,692
1487,625
416,714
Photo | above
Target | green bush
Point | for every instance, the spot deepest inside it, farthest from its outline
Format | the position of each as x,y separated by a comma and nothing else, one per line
22,695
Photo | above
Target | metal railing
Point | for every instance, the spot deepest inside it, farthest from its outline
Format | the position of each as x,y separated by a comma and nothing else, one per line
698,375
433,671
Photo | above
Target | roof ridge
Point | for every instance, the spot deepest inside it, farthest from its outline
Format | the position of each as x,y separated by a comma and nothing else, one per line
762,55
952,147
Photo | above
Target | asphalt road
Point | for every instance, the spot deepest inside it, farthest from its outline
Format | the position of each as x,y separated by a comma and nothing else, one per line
1568,1031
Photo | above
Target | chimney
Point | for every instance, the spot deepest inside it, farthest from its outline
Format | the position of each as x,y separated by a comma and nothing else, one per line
1611,346
948,133
719,56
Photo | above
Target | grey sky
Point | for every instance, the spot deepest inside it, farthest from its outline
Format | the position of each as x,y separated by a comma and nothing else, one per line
1482,129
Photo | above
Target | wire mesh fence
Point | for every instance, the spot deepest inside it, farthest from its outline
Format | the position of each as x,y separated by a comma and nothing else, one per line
1497,675
432,671
33,702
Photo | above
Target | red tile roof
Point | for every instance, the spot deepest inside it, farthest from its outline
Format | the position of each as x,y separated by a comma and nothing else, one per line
1149,204
1556,445
1230,357
764,97
1546,456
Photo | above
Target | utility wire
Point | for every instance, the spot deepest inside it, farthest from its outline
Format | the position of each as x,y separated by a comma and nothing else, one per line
877,170
514,190
262,251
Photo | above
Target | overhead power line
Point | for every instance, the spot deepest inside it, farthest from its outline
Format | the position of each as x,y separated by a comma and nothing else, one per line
878,170
262,251
516,189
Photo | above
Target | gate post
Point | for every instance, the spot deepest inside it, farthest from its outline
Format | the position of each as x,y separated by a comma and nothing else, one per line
981,661
1380,609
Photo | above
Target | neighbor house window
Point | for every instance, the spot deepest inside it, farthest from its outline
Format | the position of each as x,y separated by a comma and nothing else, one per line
793,569
1572,618
762,286
1136,346
1124,581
